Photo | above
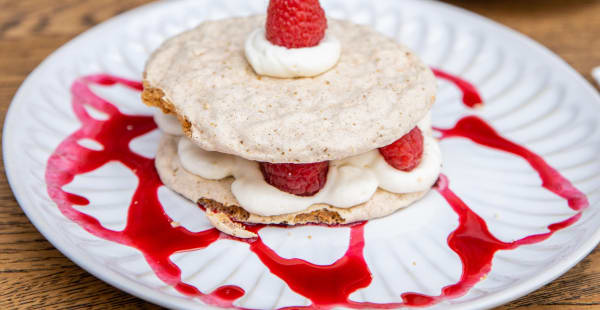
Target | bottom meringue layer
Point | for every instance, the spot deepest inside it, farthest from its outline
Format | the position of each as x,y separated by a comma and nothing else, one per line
350,182
225,213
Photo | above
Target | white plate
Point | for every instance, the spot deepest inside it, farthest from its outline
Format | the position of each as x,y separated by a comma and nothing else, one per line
532,97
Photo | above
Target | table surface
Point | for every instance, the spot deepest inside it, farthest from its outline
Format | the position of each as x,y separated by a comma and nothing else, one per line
33,274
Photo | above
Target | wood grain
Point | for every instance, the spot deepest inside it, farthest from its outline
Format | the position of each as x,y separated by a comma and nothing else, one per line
34,275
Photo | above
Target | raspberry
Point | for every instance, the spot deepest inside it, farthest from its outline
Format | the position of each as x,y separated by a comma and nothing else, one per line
405,154
295,23
297,179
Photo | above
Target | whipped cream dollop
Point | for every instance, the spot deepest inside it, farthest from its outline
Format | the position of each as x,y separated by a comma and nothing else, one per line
281,62
350,181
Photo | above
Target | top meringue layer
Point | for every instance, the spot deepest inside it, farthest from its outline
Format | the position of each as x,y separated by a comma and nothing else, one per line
376,93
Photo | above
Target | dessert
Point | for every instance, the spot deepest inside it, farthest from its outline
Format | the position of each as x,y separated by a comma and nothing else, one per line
305,120
158,233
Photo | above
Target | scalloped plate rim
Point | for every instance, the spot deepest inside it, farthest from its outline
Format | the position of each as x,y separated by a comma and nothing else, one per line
119,281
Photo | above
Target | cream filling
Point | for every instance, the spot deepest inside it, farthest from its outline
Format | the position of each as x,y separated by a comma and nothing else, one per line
281,62
350,181
168,123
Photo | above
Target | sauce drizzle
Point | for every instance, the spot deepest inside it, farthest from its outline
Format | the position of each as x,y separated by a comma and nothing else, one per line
149,228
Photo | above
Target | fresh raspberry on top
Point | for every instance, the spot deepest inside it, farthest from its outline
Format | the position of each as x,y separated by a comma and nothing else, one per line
297,179
405,154
295,23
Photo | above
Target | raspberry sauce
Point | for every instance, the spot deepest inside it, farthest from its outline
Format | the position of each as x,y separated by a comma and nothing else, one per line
478,131
150,231
470,95
148,227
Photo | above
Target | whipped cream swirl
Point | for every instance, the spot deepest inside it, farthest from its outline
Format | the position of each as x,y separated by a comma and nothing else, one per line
281,62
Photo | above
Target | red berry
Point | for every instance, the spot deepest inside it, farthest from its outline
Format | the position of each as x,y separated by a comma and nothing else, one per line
405,154
295,23
297,179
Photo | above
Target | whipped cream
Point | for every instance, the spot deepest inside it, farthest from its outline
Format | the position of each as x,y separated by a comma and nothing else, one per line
168,123
281,62
350,181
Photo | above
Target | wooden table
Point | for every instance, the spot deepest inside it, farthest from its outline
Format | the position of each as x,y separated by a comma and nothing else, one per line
33,274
